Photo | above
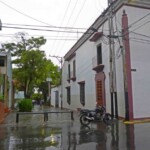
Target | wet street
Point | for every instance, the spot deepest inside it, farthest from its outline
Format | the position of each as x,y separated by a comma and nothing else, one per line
61,133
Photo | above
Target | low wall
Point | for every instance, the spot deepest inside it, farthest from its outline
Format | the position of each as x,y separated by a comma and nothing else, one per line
2,112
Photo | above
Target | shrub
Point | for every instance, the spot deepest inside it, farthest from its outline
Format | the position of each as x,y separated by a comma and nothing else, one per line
37,97
25,105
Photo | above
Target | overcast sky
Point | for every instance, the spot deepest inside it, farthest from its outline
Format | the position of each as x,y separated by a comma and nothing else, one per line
76,14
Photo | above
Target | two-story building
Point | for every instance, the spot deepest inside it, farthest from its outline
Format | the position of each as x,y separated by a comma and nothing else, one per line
109,64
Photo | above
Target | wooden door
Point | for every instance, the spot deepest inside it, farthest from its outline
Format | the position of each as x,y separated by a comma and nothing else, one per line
99,93
100,89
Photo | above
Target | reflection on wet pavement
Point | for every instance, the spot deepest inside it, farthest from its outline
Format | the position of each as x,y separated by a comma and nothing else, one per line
60,133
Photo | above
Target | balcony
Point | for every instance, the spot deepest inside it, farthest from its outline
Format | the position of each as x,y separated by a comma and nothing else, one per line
96,36
97,67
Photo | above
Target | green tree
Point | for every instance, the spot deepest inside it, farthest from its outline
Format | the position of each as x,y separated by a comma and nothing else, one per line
31,66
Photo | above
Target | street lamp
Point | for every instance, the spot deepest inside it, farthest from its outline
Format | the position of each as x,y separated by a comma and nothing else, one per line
60,59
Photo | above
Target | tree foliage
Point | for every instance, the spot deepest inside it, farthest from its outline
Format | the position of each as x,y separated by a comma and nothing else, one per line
31,67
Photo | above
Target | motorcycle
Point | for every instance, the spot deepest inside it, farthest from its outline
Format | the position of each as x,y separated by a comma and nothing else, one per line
98,114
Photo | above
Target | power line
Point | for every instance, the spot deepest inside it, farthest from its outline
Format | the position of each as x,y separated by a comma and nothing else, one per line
79,12
140,39
44,26
70,17
23,13
49,39
38,29
29,35
62,21
138,20
141,34
140,26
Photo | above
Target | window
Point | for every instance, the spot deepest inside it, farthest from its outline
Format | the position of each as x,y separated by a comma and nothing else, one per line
2,62
74,68
68,95
69,72
99,54
82,92
73,73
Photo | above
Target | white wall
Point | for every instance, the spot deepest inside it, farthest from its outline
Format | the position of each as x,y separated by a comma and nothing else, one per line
140,56
85,73
140,61
53,90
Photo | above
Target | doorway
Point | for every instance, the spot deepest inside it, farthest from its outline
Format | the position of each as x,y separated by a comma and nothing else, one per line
100,89
56,99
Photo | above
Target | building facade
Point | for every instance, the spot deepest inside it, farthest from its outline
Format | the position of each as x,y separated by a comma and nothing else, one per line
6,78
109,64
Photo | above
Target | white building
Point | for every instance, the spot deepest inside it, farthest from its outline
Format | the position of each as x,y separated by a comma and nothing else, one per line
109,64
6,78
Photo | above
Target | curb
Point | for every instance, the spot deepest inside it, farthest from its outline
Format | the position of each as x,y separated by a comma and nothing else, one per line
137,121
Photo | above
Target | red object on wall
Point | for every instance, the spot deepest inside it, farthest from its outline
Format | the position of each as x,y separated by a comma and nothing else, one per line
2,112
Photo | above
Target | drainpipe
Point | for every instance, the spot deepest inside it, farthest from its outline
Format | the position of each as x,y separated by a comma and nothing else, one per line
127,69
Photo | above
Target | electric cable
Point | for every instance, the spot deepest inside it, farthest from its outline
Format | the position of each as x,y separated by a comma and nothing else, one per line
23,13
54,43
135,22
29,35
140,41
44,26
139,26
38,29
77,16
67,24
141,34
119,51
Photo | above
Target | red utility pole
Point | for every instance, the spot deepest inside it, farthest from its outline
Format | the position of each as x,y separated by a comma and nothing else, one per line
127,69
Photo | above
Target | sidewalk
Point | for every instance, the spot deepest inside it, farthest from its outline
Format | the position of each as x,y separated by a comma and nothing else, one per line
61,133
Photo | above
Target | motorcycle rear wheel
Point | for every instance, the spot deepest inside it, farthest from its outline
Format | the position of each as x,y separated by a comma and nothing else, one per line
107,119
84,121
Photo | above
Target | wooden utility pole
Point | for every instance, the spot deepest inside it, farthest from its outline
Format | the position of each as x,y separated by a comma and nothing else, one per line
113,89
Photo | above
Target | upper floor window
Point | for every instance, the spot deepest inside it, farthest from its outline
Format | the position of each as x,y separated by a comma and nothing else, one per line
73,72
69,73
99,54
74,68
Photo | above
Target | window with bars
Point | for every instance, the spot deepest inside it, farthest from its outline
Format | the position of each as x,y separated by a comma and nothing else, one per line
82,92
